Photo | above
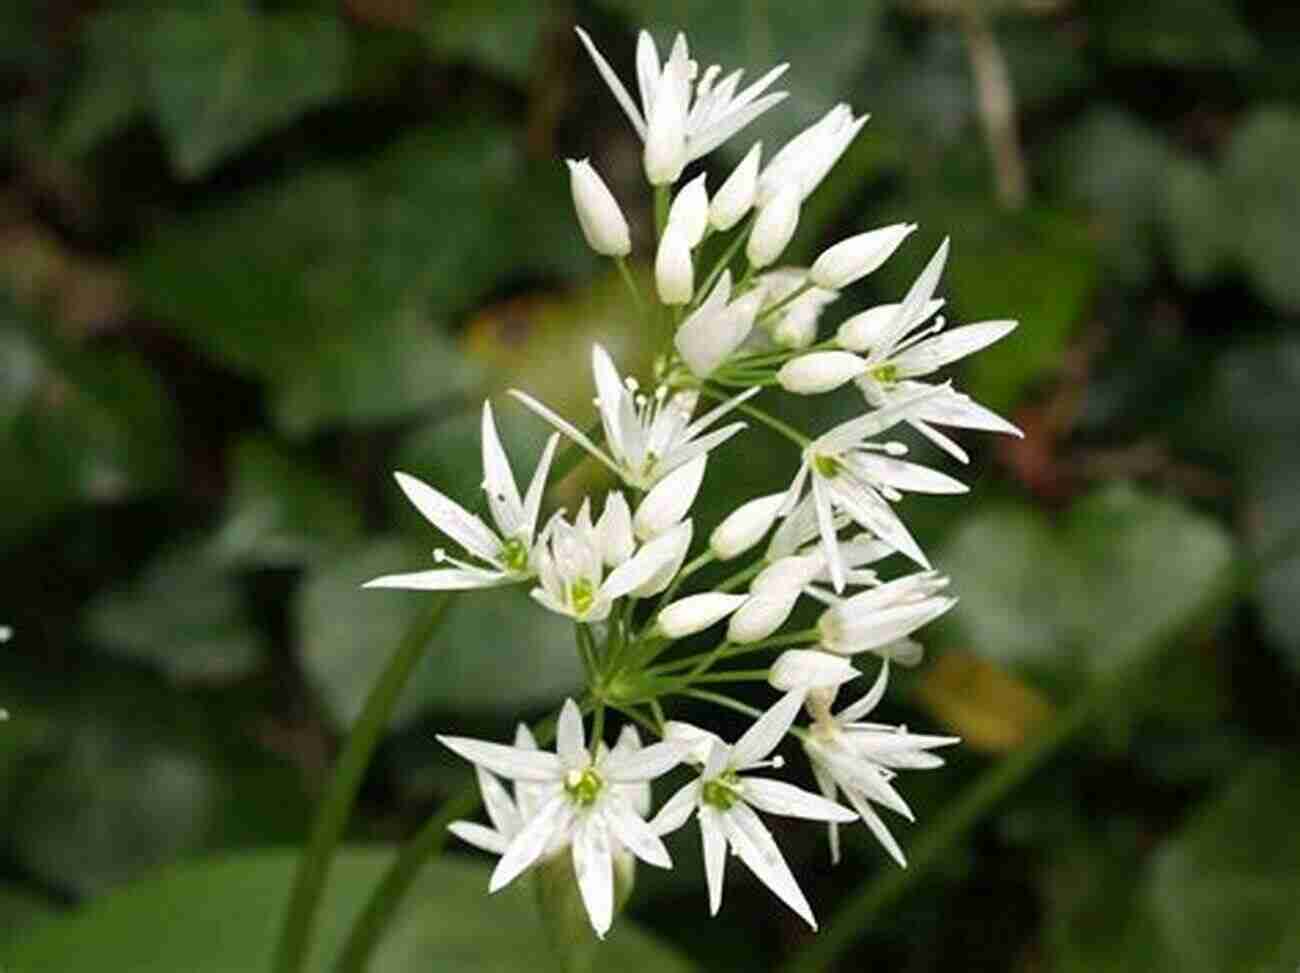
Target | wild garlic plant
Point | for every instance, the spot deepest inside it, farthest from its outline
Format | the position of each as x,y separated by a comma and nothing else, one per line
621,566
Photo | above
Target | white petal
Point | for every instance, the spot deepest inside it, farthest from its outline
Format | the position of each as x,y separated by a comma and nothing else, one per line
715,854
757,849
910,312
868,702
778,797
866,330
698,742
708,338
479,836
933,353
644,764
531,843
826,784
614,530
963,412
902,475
774,227
695,613
690,210
670,500
593,866
509,762
500,808
499,479
570,740
735,197
665,134
442,579
807,669
826,528
634,833
616,86
653,567
768,731
877,826
887,626
761,615
450,518
852,432
677,811
536,488
870,511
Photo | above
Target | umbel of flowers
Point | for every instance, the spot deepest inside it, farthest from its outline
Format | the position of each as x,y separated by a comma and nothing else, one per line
621,565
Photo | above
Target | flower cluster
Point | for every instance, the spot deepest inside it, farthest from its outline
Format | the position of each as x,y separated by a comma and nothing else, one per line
744,328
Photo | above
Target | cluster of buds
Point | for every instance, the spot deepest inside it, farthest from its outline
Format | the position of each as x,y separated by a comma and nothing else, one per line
743,328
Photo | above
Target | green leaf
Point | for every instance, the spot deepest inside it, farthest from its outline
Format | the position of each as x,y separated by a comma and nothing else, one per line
222,917
282,510
124,778
112,88
496,650
1173,32
1083,599
1262,184
19,912
1196,221
1222,896
223,77
185,616
502,36
75,425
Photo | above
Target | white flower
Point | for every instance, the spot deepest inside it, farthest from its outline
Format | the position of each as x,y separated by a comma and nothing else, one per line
508,815
819,371
860,759
690,211
745,526
852,259
724,802
586,807
851,475
808,670
571,561
897,353
674,272
695,613
713,115
804,161
735,197
507,553
667,504
878,618
795,324
717,328
601,219
777,220
647,437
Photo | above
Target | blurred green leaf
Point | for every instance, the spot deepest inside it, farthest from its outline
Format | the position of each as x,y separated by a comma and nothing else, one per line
1262,183
1197,224
20,911
502,36
223,917
1079,600
282,510
495,651
75,425
1223,896
126,778
112,89
222,77
1172,32
184,616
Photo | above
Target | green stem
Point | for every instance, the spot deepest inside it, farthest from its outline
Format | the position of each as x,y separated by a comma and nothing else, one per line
661,210
995,784
726,702
332,817
789,432
790,298
740,577
628,279
726,651
724,261
703,560
730,675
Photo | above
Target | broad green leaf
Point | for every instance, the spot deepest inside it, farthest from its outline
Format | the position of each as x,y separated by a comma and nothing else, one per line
185,616
224,76
1086,597
123,778
282,510
222,916
501,36
1198,227
1262,184
495,650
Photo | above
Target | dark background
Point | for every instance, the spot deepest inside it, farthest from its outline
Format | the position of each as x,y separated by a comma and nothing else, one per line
254,256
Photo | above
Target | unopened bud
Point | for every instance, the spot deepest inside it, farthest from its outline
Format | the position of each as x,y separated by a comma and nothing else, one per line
820,371
745,526
735,198
809,669
668,502
598,212
690,211
674,273
774,227
695,613
854,258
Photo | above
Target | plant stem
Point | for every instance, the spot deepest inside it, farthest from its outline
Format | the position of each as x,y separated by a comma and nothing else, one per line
728,651
661,210
726,702
789,432
730,675
724,261
790,298
628,279
705,558
336,806
740,577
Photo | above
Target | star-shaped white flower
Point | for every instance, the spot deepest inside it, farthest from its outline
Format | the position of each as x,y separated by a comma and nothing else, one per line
676,124
897,353
506,554
878,619
724,801
852,475
860,759
646,436
587,806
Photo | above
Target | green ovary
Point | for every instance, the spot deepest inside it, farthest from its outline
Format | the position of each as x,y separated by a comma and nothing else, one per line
827,467
582,595
583,786
720,793
514,555
886,374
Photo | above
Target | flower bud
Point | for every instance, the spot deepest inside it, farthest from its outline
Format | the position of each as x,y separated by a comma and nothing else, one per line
674,273
794,572
810,669
820,371
761,615
712,333
690,211
745,526
695,613
665,136
614,530
736,196
668,502
673,545
598,213
869,329
854,258
774,227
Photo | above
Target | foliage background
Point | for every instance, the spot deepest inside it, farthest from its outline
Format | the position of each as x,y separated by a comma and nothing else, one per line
255,255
